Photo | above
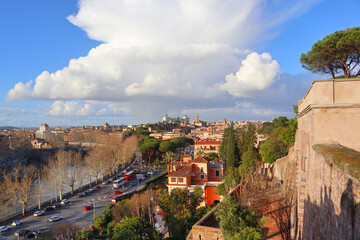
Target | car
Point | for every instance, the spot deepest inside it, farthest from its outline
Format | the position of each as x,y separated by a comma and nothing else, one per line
22,232
49,208
106,182
82,194
97,186
56,205
90,190
39,213
88,207
65,201
117,192
16,223
150,172
4,228
55,218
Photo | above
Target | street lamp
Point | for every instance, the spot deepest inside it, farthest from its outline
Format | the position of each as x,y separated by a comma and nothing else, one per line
94,208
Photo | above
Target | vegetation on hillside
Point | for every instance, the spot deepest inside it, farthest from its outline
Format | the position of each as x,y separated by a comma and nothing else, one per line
281,136
237,222
153,148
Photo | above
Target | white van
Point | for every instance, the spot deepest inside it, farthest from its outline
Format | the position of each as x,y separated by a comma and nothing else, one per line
140,177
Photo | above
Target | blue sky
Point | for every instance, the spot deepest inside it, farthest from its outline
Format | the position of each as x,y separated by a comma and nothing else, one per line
124,62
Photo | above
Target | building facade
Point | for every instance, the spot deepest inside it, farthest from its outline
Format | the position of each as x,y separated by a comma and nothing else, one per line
197,172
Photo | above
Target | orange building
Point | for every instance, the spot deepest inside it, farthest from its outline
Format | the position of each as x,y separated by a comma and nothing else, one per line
197,172
206,146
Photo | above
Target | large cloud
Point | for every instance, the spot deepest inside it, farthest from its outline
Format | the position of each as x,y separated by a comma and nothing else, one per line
257,73
159,55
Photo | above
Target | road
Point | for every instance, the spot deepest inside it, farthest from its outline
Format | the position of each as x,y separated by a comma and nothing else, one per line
73,212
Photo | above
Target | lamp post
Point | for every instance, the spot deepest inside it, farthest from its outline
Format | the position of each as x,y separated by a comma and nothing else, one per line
94,208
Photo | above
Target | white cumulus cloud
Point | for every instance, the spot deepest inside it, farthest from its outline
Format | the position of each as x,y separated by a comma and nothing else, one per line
258,72
158,55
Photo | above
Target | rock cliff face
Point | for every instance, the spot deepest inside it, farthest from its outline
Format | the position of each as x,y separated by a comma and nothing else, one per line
324,164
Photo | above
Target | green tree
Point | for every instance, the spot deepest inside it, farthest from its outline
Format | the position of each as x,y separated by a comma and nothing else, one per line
167,146
149,146
336,52
287,135
249,160
236,220
101,221
135,228
212,156
180,210
273,148
221,189
246,137
230,150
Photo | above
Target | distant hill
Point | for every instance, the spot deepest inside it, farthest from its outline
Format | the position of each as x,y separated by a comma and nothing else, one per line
8,128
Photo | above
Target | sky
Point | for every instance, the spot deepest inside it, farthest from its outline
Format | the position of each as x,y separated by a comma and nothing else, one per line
87,62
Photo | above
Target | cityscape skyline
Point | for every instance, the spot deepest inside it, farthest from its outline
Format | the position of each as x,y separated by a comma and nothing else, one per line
89,62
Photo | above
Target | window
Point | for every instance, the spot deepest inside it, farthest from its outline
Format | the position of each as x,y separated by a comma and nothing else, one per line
217,173
201,169
173,179
181,179
202,176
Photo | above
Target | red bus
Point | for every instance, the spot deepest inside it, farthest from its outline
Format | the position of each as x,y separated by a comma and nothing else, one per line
118,198
129,175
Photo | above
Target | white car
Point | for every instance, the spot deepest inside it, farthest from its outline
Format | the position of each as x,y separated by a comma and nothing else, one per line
65,201
150,172
39,213
16,223
55,218
4,228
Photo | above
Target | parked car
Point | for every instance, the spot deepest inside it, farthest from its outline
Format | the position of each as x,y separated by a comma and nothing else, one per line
55,218
150,172
4,228
97,186
82,194
22,232
16,223
90,190
56,205
65,201
88,207
106,182
117,192
49,208
39,213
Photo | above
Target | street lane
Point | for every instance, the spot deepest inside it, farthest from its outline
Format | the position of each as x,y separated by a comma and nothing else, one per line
74,213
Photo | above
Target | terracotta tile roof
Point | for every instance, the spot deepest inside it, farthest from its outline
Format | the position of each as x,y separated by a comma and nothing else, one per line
182,172
199,159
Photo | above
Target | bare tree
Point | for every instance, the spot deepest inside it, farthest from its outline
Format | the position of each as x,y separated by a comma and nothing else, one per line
282,212
21,140
41,176
57,171
19,184
72,169
66,231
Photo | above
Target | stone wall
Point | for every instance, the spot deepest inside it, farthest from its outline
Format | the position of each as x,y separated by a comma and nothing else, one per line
331,207
206,233
326,183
